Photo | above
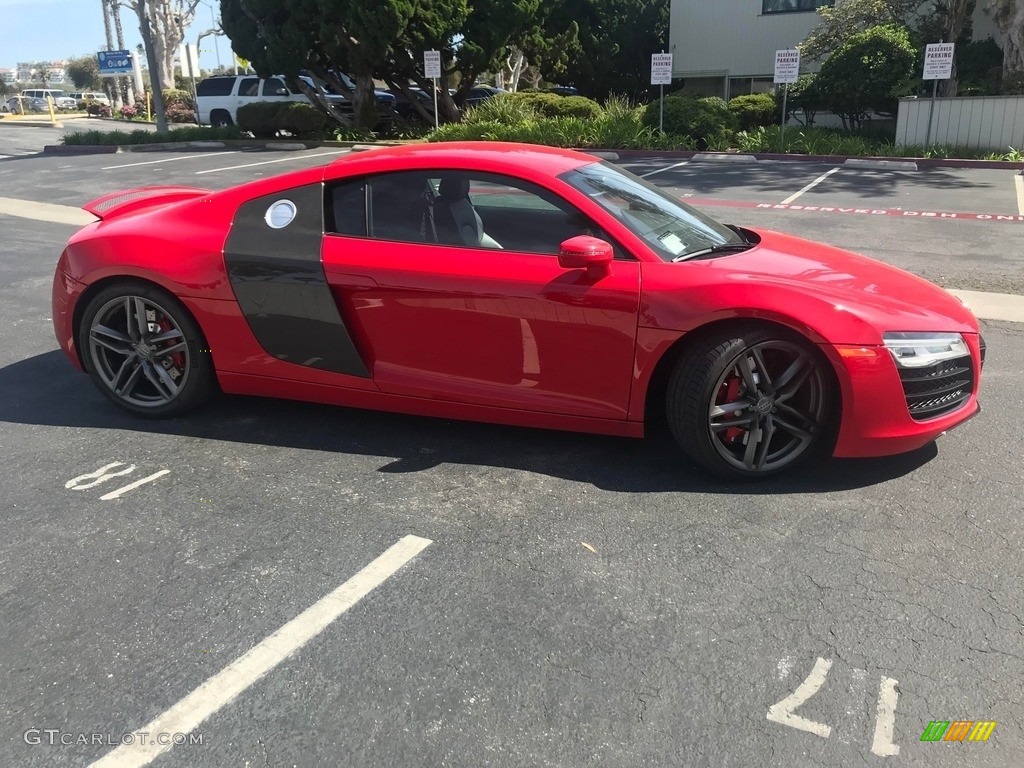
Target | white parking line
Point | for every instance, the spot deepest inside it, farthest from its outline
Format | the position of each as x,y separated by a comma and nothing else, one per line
268,162
169,160
669,168
1019,178
136,484
51,212
810,186
221,689
885,719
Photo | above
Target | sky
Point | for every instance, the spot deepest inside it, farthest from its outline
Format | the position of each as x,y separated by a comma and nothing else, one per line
42,30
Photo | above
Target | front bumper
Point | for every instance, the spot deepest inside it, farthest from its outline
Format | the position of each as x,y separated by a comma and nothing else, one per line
876,420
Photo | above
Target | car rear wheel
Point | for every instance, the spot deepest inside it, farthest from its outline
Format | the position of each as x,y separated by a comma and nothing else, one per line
220,119
750,401
144,351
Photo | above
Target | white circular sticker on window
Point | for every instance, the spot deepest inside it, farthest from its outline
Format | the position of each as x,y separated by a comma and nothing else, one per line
281,214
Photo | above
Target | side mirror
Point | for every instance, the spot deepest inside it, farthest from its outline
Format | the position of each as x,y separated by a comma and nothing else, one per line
585,252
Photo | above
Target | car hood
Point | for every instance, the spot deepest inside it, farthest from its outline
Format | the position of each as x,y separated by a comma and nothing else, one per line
842,296
879,293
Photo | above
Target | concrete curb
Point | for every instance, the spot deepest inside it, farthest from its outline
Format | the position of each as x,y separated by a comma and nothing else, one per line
881,165
265,144
1007,307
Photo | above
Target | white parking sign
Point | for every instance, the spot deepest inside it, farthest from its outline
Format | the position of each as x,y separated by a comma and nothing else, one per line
938,61
787,65
432,63
661,69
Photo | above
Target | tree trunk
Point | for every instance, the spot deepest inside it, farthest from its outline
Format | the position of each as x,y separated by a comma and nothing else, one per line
154,68
364,101
113,92
127,91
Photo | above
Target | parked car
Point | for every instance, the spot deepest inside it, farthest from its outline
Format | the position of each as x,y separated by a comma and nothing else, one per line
480,93
218,98
61,100
514,284
19,105
91,97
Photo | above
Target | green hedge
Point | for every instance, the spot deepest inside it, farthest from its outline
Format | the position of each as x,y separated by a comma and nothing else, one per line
116,138
265,119
753,110
708,120
542,104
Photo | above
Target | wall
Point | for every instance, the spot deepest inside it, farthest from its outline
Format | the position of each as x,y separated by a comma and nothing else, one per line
977,122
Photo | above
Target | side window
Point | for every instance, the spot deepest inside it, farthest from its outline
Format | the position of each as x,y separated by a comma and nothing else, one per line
524,217
250,86
345,209
475,210
274,87
400,207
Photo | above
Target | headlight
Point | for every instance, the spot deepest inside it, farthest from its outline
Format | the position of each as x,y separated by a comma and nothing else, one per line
917,350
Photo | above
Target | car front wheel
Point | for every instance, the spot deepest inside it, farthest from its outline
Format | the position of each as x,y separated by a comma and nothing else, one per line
750,401
144,351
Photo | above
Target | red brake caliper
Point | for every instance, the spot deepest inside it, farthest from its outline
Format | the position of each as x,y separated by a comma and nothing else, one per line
729,392
174,364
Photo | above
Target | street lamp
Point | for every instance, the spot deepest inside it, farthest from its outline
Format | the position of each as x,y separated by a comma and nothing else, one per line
216,30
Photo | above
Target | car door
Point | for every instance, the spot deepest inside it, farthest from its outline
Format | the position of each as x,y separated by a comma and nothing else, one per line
248,92
483,322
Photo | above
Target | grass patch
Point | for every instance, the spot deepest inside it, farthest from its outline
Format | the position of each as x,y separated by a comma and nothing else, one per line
822,141
119,138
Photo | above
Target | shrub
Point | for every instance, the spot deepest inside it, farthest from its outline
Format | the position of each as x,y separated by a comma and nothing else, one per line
302,120
97,110
868,74
553,105
706,120
500,109
174,96
113,138
129,112
180,113
264,119
753,110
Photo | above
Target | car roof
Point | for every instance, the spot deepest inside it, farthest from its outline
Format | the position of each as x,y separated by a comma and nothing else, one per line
480,155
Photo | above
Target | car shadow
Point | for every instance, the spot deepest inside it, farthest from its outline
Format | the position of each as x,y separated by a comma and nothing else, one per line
44,390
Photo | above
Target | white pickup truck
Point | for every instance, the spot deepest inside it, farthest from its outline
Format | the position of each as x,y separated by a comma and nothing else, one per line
218,98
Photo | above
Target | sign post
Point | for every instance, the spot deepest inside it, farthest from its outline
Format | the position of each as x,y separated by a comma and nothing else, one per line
787,70
938,65
661,75
432,69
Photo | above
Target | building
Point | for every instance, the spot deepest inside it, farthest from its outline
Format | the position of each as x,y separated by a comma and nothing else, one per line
8,76
727,47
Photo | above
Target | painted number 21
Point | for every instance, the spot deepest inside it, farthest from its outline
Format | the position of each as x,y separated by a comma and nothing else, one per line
784,712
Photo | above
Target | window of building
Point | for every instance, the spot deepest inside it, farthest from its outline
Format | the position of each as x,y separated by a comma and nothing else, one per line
793,6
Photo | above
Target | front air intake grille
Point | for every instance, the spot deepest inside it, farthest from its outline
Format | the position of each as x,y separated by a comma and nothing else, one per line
938,389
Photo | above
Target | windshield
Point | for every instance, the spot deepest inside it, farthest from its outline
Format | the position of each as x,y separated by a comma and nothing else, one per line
672,229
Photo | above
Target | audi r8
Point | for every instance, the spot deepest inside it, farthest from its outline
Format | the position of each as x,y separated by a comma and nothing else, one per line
517,285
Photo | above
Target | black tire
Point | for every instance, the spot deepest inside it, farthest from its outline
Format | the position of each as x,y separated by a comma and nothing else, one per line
144,351
750,401
221,119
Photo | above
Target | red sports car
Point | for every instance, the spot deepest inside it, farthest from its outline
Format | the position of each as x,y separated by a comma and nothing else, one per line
518,285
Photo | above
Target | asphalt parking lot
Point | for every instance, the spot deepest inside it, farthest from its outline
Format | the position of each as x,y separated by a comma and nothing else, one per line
568,600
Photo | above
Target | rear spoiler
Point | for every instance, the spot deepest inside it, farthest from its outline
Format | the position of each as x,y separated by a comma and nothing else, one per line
120,203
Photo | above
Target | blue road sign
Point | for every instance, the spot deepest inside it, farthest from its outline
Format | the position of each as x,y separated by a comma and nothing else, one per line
115,63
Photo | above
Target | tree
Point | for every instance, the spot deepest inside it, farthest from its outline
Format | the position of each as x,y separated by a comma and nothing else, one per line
868,74
948,22
602,46
167,20
1009,17
154,69
844,20
84,72
803,96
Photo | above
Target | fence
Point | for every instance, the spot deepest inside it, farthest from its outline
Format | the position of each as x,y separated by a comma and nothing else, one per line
975,122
